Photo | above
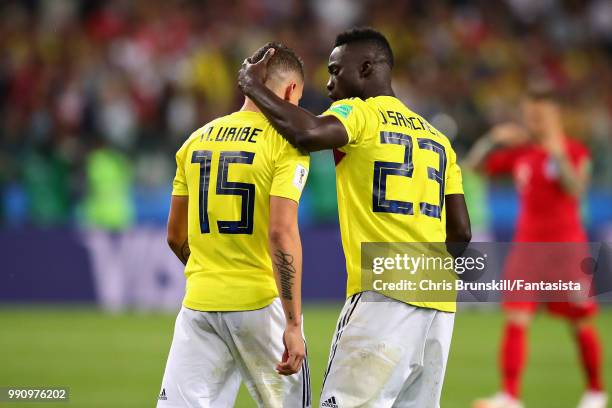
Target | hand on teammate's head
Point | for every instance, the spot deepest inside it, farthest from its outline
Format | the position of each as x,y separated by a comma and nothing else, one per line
254,72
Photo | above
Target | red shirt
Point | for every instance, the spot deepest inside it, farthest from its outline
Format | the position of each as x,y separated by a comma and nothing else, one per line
547,213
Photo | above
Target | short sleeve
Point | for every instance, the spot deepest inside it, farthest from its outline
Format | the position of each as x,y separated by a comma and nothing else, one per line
290,173
502,161
353,113
578,153
179,185
454,180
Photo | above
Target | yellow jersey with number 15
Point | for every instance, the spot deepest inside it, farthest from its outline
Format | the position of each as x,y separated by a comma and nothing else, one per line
229,168
391,179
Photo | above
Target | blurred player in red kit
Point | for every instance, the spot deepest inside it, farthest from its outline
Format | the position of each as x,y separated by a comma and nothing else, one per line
551,172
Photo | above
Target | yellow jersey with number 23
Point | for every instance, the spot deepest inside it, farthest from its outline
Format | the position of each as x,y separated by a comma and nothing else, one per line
391,179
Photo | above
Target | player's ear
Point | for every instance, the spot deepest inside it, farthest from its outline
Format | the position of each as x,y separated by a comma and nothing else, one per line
366,68
289,90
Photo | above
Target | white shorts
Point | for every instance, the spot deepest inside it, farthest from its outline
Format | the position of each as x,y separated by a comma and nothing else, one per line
386,353
213,351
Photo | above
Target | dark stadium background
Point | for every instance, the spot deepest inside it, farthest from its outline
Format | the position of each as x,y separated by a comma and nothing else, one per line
96,96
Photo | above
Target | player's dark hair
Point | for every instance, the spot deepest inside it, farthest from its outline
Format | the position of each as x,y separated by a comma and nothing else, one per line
370,36
543,91
283,60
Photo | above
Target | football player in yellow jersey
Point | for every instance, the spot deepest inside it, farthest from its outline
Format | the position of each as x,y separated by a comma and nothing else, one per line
397,180
233,223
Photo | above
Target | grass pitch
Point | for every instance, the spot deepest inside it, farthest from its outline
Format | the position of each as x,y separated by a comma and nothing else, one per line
118,360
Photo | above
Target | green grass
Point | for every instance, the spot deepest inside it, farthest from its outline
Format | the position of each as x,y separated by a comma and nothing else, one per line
118,360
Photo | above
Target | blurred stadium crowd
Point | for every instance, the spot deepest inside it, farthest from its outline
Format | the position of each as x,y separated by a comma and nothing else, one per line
96,96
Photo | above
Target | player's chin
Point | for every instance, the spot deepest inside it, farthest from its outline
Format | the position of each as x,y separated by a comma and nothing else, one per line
333,96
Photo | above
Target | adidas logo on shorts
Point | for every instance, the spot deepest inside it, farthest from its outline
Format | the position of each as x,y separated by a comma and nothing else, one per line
162,395
330,403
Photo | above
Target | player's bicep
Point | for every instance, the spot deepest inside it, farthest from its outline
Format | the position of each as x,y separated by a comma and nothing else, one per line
584,175
178,220
458,226
329,133
283,218
353,116
584,170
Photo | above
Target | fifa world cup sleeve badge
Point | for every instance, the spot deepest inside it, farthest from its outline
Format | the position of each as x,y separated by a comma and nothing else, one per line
300,176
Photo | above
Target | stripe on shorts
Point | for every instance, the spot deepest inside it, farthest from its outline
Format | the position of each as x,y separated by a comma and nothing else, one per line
303,387
306,392
308,388
342,322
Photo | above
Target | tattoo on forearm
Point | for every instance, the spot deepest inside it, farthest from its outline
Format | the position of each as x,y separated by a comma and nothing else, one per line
284,264
185,251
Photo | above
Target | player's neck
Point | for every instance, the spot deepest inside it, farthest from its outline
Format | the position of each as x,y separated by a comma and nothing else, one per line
378,90
249,106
